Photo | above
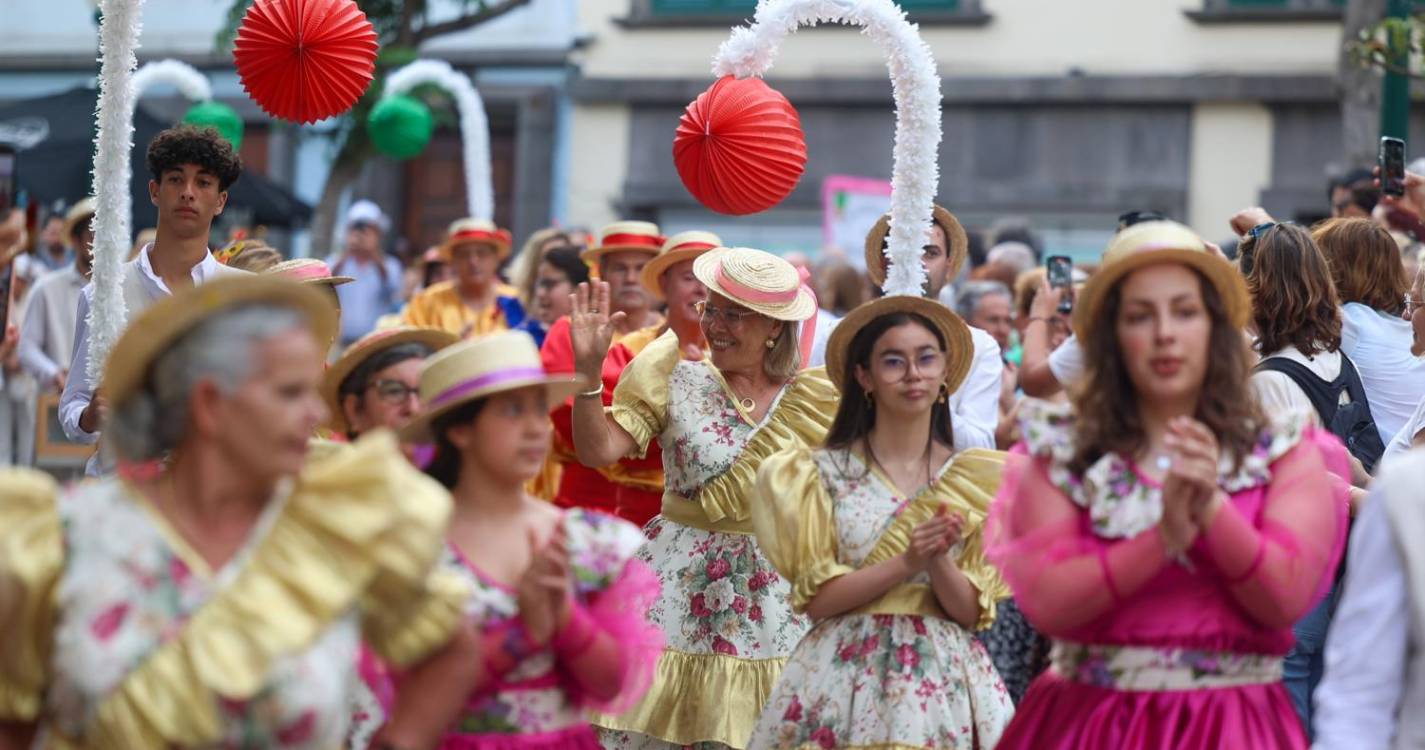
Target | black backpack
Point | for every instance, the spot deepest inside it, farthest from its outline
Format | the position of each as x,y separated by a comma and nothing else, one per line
1349,420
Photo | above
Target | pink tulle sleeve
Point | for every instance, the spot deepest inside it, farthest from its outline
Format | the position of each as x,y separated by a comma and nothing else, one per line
1279,565
1061,574
610,648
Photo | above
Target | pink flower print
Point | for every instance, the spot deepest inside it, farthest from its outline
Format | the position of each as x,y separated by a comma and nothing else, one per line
824,737
653,531
883,621
700,607
794,710
178,571
759,580
300,731
919,625
739,604
847,652
754,613
868,646
723,646
907,656
109,621
719,568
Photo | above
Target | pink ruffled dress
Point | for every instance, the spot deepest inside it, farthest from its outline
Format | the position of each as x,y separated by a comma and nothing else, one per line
536,700
1152,652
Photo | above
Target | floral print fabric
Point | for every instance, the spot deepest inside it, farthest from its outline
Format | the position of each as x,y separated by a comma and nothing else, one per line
532,700
128,588
1120,505
877,680
1162,668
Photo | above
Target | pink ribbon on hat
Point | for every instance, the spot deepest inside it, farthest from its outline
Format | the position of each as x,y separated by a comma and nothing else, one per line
488,379
309,272
779,297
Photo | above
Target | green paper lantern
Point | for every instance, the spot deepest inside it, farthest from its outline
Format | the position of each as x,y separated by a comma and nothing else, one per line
400,126
224,119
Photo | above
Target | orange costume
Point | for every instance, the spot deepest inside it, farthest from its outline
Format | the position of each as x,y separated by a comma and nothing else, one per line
441,306
631,488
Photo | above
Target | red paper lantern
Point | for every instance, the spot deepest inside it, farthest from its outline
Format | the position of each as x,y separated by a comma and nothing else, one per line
305,60
739,147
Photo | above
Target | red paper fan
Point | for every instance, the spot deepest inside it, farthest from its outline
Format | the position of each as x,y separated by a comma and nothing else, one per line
305,60
739,147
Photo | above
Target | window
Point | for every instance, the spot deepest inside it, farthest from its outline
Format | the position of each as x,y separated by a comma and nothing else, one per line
1226,11
654,13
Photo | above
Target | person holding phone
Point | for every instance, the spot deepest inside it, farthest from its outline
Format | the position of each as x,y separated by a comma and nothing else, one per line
190,172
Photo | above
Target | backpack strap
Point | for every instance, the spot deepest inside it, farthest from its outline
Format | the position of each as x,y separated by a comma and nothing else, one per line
1324,394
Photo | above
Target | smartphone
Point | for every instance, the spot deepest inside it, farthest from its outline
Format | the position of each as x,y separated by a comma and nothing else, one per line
1060,270
1392,166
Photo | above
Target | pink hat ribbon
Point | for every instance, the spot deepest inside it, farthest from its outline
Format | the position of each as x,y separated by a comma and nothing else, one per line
309,272
780,297
488,379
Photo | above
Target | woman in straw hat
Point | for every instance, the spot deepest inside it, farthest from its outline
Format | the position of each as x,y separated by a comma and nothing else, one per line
218,597
724,610
879,532
560,598
475,302
1165,533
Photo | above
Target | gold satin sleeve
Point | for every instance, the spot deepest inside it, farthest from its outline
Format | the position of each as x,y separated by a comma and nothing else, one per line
640,404
361,530
31,561
795,525
967,487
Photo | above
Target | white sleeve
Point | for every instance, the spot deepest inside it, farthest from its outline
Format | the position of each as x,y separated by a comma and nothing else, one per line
974,407
1278,394
79,389
1067,362
1359,697
32,332
1404,439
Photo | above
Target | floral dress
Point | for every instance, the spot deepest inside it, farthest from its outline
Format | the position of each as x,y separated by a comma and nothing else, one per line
120,636
896,673
1153,651
725,612
533,704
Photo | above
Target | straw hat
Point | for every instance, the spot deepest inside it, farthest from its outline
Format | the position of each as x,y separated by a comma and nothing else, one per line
81,211
366,347
307,271
474,369
757,280
623,236
161,324
959,345
468,229
1151,243
957,242
680,247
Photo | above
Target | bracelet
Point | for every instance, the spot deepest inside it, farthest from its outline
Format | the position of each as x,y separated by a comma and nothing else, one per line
595,393
1034,318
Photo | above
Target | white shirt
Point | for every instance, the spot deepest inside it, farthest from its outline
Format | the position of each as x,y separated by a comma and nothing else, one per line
974,406
1359,696
47,337
1405,439
1379,345
79,389
1067,362
1278,393
825,322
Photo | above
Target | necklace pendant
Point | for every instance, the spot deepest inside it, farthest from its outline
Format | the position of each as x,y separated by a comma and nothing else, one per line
748,404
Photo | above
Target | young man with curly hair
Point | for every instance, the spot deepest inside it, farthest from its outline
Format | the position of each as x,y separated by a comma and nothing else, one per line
190,172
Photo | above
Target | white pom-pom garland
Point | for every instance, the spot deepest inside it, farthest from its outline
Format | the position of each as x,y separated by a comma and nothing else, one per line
474,126
176,73
915,170
118,40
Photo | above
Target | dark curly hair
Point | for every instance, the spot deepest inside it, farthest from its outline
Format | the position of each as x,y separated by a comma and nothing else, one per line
1106,400
188,144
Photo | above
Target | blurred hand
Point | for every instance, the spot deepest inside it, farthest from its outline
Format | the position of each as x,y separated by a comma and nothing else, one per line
1414,199
1243,221
543,591
1046,301
591,327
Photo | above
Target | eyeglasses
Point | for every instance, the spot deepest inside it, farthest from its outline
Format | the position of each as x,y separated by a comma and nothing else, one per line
895,369
729,318
1412,304
394,392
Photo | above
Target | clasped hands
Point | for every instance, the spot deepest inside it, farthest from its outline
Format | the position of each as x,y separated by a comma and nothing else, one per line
1190,496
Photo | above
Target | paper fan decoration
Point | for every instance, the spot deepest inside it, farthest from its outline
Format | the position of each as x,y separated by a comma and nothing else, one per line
739,148
305,60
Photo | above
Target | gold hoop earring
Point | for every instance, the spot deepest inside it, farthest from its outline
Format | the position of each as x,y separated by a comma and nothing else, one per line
870,400
944,393
771,343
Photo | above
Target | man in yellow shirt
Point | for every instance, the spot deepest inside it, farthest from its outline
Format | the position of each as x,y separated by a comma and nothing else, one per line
475,302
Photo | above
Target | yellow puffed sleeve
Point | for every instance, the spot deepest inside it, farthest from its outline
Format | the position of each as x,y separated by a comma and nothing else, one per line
640,404
31,561
795,525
